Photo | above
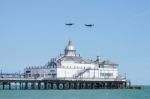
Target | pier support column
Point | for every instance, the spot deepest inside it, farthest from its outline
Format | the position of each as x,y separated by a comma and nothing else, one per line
112,85
83,85
3,86
67,85
125,84
9,85
94,86
61,86
45,85
91,85
39,85
26,85
108,85
23,85
55,86
117,85
105,84
77,85
49,85
72,85
88,85
100,85
32,85
15,85
20,84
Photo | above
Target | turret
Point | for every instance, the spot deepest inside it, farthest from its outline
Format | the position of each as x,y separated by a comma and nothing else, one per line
70,50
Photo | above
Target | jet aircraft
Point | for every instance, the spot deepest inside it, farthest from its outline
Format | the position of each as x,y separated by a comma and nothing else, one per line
69,24
89,25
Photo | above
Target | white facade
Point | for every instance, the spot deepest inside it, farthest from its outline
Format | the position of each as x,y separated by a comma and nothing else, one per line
71,65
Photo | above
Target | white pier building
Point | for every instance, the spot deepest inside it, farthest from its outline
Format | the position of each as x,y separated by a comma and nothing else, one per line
72,66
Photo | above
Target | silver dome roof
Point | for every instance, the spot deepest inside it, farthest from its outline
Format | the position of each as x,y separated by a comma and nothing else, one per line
70,47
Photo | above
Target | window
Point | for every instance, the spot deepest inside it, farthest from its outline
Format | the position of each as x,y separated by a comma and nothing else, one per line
106,74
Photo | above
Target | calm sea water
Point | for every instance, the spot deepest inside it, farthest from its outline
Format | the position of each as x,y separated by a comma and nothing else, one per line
77,94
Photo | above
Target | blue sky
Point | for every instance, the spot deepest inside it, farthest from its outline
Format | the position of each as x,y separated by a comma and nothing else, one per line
33,31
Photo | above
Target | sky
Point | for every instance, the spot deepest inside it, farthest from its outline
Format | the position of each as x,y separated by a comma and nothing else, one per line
33,31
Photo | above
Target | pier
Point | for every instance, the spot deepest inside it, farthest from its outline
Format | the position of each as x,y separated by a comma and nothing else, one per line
67,71
20,83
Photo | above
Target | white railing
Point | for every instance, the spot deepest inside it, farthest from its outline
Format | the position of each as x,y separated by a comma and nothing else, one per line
68,78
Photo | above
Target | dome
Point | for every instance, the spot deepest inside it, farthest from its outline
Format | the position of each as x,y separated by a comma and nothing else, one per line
70,47
70,50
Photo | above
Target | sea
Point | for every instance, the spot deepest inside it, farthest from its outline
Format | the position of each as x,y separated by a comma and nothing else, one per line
144,93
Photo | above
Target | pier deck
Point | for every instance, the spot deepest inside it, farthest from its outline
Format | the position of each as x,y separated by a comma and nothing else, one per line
60,83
